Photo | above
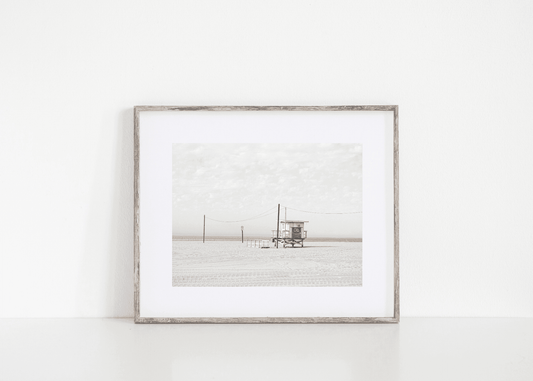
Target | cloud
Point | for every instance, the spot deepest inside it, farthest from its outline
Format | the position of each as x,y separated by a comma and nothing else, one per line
240,180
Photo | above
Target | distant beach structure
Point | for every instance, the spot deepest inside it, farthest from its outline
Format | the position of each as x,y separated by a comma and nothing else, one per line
290,233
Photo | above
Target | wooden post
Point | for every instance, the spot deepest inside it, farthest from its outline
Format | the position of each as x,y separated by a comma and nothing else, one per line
277,230
203,237
242,234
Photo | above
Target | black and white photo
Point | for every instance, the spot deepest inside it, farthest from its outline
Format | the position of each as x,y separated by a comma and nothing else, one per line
267,215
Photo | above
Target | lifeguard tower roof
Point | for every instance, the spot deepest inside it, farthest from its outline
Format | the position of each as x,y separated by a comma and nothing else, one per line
292,221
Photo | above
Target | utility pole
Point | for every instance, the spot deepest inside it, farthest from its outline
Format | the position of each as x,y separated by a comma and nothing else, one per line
203,239
242,234
277,230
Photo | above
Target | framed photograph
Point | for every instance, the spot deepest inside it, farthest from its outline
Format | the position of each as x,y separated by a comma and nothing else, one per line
268,214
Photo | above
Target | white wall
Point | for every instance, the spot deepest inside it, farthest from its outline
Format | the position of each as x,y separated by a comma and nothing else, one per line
70,73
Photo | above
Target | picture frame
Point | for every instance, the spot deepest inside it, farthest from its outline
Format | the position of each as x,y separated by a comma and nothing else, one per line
340,280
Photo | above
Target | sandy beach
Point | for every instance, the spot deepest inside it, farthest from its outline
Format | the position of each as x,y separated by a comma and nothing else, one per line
234,264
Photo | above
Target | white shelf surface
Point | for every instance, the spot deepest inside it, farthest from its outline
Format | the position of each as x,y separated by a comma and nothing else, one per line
416,349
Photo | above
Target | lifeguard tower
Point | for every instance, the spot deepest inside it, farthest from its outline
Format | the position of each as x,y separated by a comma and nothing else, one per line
290,233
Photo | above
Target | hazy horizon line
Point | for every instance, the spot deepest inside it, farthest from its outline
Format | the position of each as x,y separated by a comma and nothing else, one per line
258,237
255,235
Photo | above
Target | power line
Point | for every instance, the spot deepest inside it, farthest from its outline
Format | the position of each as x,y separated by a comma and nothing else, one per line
264,214
307,211
271,211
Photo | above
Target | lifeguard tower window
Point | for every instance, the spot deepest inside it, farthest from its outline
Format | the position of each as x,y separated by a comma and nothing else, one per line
297,232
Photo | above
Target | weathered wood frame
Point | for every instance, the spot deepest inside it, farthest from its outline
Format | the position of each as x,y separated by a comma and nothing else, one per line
237,320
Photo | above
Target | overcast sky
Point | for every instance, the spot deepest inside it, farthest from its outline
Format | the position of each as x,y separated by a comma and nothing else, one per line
237,181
